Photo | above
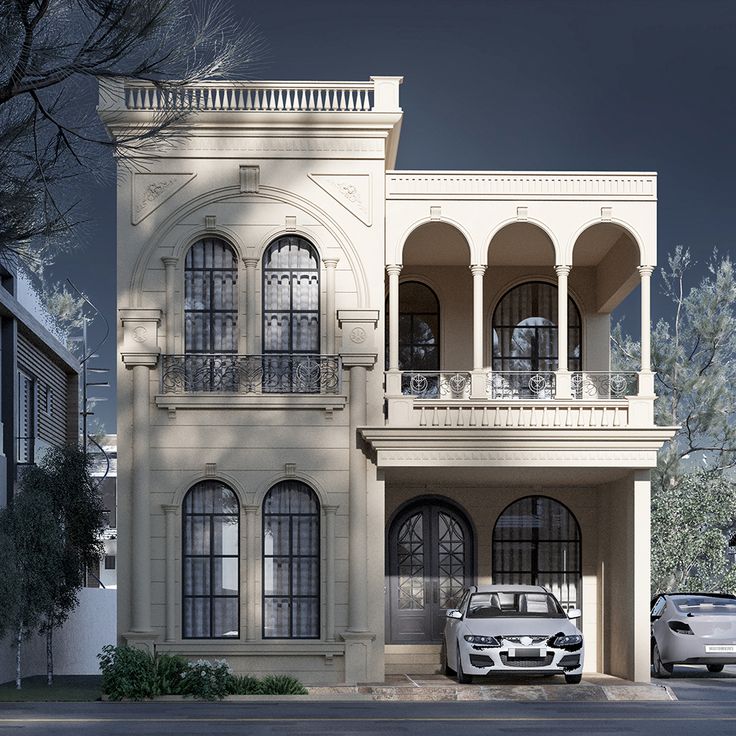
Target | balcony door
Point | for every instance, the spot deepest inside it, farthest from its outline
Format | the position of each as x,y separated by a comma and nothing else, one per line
429,562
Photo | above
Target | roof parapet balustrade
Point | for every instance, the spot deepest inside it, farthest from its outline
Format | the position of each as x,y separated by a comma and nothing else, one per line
380,94
274,373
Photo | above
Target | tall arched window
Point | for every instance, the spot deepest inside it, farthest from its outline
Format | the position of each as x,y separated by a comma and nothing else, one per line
211,574
536,541
291,297
525,330
210,298
291,557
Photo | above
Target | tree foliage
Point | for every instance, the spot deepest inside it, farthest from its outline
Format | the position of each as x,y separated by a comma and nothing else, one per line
50,533
53,52
693,489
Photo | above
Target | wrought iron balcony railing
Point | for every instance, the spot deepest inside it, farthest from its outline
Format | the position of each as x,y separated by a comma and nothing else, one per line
276,373
521,385
592,385
436,384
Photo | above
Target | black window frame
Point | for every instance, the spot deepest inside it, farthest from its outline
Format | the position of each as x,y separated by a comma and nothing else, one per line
317,585
502,362
208,274
212,557
29,456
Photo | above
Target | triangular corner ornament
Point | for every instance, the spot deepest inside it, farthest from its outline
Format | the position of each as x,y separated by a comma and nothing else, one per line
150,191
352,191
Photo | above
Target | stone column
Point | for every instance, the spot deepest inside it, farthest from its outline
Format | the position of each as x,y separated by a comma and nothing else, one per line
140,354
640,575
330,315
170,513
329,572
251,348
170,271
478,381
564,385
251,567
646,377
393,380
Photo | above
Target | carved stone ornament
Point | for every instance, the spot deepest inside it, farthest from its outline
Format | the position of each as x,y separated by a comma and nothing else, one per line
150,191
357,335
352,191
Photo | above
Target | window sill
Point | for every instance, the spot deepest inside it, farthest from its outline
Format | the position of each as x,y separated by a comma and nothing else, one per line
326,402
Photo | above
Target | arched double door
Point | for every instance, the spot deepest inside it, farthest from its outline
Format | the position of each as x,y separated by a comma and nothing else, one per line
429,562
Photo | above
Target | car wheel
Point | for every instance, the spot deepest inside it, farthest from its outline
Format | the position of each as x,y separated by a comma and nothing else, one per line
573,679
714,667
445,668
661,669
462,678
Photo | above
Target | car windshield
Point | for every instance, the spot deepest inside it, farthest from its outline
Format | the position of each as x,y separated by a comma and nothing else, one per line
704,604
513,605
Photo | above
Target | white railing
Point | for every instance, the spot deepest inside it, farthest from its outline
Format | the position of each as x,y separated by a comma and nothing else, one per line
254,97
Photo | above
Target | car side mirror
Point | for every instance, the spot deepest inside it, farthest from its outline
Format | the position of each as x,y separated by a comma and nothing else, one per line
655,617
574,613
452,613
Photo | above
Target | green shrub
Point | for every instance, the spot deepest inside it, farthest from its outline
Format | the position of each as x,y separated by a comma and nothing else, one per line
282,685
169,669
245,685
127,673
206,680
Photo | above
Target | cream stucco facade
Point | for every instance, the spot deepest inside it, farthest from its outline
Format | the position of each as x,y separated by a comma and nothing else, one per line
314,162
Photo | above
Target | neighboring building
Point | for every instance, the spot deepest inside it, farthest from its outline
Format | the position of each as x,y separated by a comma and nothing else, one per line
286,502
104,472
40,385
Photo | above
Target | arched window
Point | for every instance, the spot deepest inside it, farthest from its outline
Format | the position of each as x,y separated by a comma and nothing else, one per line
211,574
291,557
210,298
525,330
536,541
419,338
291,297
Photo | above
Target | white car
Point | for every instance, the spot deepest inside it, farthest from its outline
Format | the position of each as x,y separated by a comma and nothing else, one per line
511,628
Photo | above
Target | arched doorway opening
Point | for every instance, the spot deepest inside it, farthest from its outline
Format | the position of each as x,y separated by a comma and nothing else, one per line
536,541
429,562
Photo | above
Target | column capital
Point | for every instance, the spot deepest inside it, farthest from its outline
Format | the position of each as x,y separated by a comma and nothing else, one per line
645,270
169,508
250,261
330,261
394,269
562,270
169,261
478,269
251,509
330,510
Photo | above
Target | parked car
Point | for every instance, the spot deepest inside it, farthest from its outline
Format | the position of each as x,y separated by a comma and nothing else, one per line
693,628
511,628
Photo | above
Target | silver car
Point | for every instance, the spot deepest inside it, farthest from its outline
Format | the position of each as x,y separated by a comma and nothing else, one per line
693,628
511,628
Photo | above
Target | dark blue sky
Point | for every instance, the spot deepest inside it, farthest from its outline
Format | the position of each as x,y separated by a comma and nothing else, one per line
642,85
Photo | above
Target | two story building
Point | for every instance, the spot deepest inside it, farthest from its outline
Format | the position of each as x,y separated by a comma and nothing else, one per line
347,391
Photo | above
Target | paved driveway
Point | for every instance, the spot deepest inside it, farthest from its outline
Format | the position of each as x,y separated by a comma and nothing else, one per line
690,682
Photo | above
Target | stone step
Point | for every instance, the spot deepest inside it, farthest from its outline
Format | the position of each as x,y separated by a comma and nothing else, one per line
420,659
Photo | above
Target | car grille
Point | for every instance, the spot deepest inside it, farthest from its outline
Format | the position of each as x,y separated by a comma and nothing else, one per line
517,639
526,661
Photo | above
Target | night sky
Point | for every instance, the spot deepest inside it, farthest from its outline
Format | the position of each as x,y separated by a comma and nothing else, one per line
624,85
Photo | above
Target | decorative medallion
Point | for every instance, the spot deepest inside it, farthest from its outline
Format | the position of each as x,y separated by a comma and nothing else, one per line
140,334
357,335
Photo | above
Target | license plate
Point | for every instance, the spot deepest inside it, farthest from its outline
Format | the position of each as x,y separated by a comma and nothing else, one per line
526,653
728,648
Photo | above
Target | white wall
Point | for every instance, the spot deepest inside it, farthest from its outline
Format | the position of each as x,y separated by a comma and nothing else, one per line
76,645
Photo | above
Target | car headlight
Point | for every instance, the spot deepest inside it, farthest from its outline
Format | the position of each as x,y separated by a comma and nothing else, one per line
568,640
679,627
489,641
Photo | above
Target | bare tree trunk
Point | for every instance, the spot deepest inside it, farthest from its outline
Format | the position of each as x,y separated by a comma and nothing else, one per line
18,641
50,653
